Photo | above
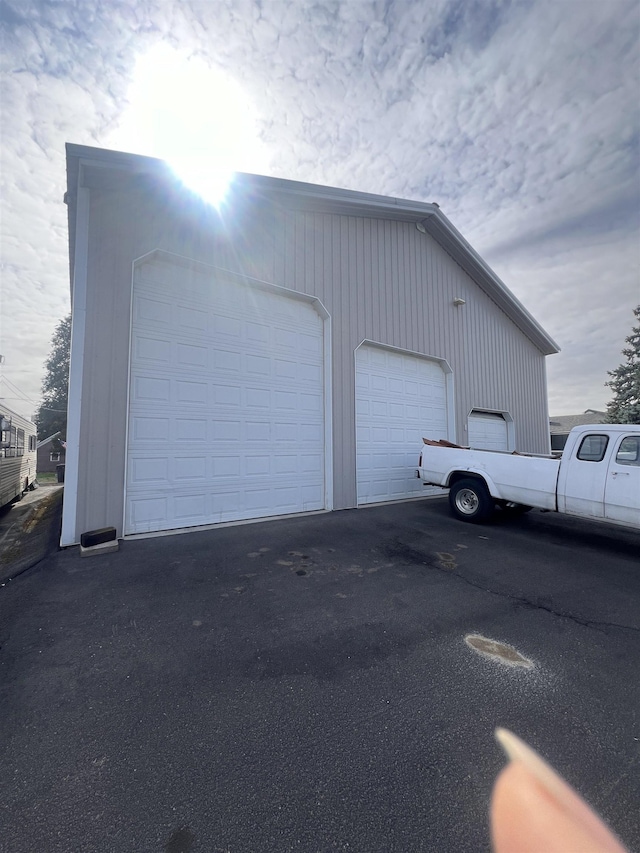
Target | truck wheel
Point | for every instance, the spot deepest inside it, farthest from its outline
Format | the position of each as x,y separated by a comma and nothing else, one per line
470,500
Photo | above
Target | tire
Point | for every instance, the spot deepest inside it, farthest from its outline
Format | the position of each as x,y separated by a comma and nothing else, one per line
470,500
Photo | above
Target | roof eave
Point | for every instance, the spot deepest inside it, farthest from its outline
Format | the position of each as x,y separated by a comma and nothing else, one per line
448,236
334,200
45,440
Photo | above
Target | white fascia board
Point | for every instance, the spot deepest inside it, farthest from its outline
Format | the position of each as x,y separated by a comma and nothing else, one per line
45,440
69,535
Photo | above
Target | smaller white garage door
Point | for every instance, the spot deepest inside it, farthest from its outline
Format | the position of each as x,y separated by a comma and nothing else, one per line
400,398
488,431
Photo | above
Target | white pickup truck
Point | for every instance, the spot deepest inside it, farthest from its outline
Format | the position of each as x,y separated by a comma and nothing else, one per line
597,477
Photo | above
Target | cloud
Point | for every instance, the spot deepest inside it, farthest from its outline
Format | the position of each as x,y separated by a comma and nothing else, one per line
520,119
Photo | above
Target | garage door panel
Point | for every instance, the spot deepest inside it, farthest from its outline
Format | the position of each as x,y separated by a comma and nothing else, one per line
188,393
190,509
310,373
258,431
257,398
285,401
399,399
225,430
224,326
226,466
152,350
190,356
147,513
310,404
150,429
226,395
190,319
227,354
189,468
152,312
311,434
257,365
190,429
257,332
227,503
152,389
311,463
285,464
150,470
487,431
227,361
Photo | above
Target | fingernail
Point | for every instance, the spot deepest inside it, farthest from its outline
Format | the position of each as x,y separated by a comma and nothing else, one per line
518,750
559,791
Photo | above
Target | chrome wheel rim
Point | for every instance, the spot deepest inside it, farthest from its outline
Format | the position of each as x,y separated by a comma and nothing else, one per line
467,501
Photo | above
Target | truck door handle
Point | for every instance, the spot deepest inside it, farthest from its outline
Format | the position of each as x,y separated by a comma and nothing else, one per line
619,473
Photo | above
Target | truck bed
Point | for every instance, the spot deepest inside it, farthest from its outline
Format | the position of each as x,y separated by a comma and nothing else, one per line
521,479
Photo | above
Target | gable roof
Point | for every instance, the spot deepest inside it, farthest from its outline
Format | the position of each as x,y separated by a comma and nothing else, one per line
45,440
561,424
95,167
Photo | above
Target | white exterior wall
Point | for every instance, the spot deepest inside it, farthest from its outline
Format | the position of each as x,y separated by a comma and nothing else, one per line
380,280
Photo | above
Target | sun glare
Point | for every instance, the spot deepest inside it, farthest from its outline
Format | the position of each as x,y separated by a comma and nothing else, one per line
196,118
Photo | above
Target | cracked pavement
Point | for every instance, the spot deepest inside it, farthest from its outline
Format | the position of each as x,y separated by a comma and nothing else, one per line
305,684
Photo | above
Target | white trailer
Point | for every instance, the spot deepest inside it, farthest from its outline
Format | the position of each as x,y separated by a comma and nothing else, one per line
18,456
597,477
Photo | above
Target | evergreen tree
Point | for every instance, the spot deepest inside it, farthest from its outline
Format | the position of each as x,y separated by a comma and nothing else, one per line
52,414
625,406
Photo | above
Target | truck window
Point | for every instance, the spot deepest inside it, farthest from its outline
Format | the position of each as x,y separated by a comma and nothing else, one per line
629,451
593,447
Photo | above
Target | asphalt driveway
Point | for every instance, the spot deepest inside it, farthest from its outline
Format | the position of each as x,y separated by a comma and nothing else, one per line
305,685
29,530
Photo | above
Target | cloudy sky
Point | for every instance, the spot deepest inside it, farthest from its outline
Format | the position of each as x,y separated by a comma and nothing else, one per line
521,118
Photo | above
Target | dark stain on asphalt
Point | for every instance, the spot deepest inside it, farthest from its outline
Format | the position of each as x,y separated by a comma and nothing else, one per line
180,841
397,550
330,656
407,555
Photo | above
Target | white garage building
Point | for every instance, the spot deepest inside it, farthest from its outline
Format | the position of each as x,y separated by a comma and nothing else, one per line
284,355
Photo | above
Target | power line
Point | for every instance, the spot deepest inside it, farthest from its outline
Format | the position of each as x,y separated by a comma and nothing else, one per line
25,399
17,390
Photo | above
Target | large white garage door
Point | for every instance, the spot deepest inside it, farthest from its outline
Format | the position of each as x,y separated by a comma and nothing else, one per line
400,399
226,410
488,431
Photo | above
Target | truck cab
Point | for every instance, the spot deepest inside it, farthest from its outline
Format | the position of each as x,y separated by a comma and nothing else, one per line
599,475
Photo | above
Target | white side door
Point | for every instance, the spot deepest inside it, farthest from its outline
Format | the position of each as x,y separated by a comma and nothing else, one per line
622,492
581,487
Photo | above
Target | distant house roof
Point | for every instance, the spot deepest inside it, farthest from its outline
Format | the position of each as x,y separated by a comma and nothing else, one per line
45,440
560,424
96,167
